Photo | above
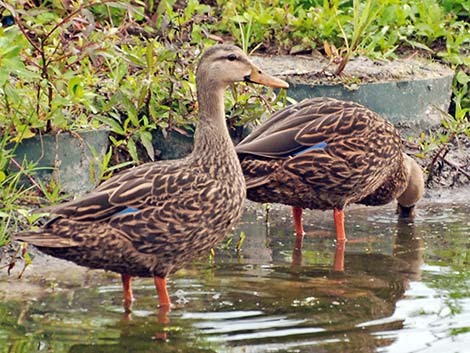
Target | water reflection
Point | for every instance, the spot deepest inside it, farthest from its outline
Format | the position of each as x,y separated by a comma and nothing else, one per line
258,300
333,305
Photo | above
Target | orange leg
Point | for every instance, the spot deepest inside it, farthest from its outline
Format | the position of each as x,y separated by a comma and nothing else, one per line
338,264
299,229
163,297
128,297
165,306
338,215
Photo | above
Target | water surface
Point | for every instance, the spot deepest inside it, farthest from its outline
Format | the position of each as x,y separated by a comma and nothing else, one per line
405,288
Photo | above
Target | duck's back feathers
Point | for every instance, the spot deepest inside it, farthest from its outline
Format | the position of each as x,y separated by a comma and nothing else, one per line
134,188
99,205
313,121
279,136
319,153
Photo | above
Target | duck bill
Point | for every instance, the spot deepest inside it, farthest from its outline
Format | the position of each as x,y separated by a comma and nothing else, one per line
258,76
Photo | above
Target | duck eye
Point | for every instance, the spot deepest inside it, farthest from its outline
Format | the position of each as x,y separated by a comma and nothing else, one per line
232,57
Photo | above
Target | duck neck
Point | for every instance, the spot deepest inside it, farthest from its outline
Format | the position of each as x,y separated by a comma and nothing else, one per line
415,187
212,136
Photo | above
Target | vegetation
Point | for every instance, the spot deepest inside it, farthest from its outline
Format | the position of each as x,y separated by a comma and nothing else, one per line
129,66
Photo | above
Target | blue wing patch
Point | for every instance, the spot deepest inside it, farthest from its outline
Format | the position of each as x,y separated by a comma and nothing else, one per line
126,211
318,146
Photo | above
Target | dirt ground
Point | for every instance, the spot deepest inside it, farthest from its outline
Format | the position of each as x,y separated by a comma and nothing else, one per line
448,166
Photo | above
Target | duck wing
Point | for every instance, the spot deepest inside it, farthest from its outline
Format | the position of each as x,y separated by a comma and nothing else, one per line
282,135
131,189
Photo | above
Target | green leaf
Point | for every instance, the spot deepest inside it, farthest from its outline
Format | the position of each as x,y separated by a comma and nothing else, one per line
150,57
115,142
132,148
4,214
462,77
238,19
23,133
146,139
4,76
119,73
129,106
112,123
75,87
119,166
12,93
12,52
27,259
241,240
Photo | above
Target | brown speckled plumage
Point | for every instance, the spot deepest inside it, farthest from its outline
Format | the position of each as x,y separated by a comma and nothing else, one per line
184,209
178,209
362,154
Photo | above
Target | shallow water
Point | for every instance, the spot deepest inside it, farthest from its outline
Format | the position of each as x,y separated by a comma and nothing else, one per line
405,288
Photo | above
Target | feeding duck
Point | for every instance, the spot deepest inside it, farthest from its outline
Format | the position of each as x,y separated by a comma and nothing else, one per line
324,153
150,220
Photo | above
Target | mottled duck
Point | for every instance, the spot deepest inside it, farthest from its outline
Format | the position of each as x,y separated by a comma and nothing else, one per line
152,219
324,153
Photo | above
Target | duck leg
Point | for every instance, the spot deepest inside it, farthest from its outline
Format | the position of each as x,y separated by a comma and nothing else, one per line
299,229
338,264
128,297
299,235
163,297
338,215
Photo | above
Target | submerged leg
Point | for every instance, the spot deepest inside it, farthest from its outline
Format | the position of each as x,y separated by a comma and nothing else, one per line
165,306
338,264
297,255
128,297
299,229
299,235
163,297
338,215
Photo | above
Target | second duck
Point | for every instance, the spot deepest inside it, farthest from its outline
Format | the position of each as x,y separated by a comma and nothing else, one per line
324,153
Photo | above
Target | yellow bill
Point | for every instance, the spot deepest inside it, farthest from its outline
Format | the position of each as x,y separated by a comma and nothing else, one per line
258,76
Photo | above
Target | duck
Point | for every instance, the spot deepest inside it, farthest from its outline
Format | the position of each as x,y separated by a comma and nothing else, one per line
150,220
324,153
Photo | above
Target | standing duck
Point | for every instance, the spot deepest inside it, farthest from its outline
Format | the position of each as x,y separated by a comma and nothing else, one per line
150,220
324,153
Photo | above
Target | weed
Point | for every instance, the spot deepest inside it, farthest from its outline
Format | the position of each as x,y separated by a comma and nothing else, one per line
436,143
361,21
12,213
240,241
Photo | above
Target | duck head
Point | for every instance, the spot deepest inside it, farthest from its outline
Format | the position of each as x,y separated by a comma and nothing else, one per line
414,190
227,64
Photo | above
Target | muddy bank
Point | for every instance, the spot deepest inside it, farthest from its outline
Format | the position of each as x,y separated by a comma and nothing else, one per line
447,166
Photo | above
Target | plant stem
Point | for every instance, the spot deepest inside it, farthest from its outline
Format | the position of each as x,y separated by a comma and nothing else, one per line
30,178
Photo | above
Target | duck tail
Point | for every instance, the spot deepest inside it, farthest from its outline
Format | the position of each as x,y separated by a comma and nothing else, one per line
44,239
